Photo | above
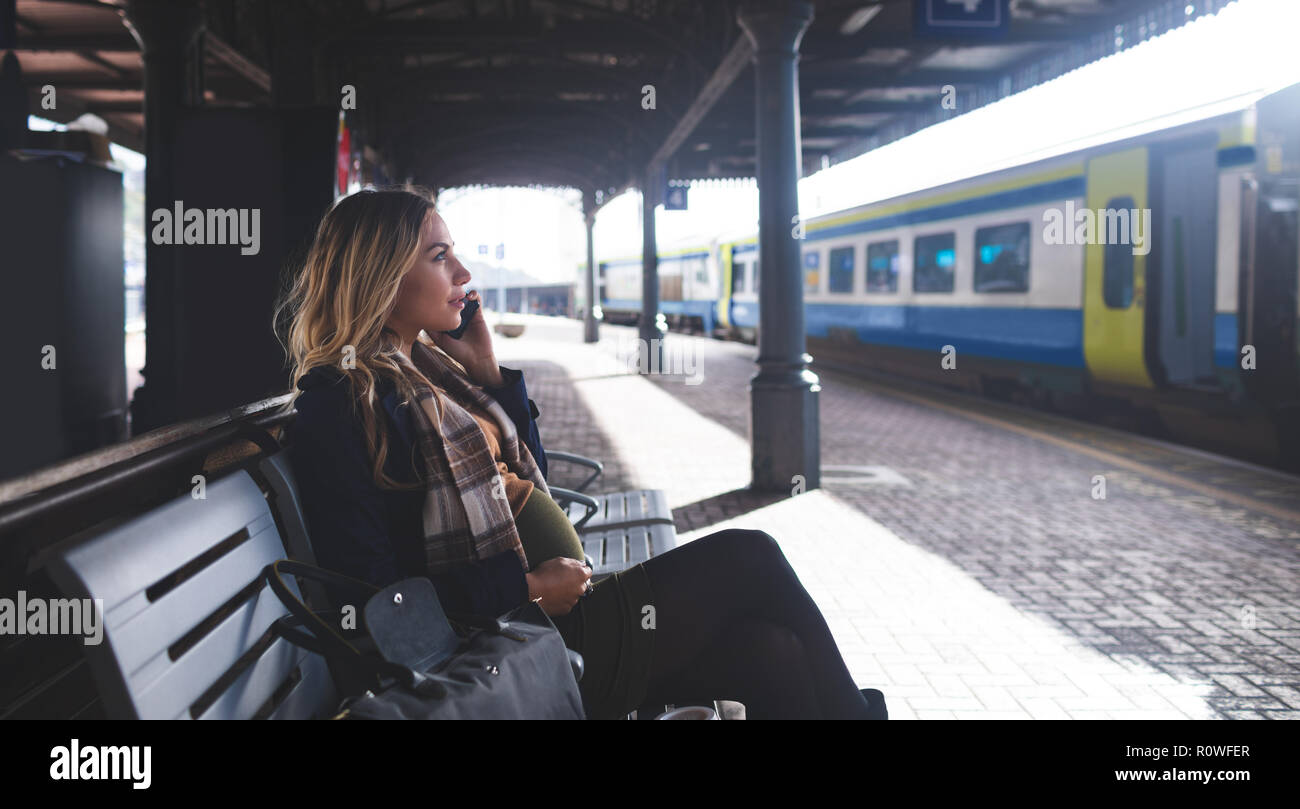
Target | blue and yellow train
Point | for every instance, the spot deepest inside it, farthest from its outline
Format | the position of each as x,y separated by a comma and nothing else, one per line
1159,271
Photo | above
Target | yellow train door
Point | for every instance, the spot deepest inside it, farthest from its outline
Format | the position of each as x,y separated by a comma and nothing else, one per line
1114,279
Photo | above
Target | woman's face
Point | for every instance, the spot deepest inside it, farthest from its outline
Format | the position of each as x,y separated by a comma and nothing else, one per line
429,294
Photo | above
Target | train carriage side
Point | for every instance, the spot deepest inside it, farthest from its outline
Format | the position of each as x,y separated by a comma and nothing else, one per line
1188,294
688,289
1162,314
1007,275
1148,273
961,273
688,284
620,290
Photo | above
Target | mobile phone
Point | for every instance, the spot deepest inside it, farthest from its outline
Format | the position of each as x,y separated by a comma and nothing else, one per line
466,314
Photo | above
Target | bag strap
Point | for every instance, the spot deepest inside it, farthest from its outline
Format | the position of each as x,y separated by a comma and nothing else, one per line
303,570
289,627
496,626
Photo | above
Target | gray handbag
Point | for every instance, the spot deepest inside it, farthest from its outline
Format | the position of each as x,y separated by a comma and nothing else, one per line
515,666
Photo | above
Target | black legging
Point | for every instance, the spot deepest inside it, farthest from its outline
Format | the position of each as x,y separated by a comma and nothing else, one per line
733,622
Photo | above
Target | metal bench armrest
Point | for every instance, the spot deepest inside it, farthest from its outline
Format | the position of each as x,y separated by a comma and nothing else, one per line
578,460
565,496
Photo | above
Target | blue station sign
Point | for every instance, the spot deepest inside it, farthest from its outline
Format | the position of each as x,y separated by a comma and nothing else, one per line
976,19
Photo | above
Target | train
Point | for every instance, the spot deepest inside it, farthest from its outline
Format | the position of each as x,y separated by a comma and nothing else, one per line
1156,274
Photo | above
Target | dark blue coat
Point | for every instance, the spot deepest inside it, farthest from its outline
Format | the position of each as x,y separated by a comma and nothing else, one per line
375,534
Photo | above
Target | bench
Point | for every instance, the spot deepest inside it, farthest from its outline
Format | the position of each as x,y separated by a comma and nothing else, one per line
624,529
187,613
187,621
618,529
627,528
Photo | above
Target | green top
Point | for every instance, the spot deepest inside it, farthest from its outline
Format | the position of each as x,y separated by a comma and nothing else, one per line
546,531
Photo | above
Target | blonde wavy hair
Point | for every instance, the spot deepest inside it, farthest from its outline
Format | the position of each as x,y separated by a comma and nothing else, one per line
341,300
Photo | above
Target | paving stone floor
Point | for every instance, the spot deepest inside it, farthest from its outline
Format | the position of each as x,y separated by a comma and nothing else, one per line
977,577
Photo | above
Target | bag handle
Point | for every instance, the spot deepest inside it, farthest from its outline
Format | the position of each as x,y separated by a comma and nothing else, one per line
323,639
306,616
322,630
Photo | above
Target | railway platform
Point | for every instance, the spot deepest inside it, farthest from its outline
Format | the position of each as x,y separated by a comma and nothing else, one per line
974,560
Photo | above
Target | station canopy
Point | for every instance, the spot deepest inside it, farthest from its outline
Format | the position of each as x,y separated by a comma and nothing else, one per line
556,92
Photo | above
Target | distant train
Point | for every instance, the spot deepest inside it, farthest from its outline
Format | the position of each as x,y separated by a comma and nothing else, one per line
1160,271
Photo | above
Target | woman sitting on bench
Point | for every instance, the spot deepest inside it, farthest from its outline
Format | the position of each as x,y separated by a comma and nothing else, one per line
417,455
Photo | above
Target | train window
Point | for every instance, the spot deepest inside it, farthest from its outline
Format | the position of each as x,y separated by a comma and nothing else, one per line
1002,258
670,281
841,269
882,266
739,269
812,273
936,259
1117,272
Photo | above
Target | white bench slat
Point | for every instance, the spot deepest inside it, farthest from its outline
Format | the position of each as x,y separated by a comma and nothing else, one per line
623,547
115,566
252,688
620,508
594,546
167,620
638,545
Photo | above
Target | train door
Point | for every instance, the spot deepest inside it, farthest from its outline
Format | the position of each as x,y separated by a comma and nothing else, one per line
1270,266
717,292
1114,278
1185,197
744,288
726,269
670,279
739,287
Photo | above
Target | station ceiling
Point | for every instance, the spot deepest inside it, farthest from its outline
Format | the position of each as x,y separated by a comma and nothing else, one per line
550,92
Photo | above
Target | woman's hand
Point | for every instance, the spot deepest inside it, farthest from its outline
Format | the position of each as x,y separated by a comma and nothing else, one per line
559,582
473,349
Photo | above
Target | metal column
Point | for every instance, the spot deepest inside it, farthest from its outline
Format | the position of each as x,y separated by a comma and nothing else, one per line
166,31
783,395
651,336
590,329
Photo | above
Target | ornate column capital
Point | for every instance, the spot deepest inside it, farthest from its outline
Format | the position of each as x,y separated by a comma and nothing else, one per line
163,25
775,25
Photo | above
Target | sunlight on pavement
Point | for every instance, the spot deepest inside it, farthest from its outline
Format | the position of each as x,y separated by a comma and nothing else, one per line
938,643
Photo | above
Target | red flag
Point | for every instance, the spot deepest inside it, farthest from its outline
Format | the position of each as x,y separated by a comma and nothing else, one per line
345,156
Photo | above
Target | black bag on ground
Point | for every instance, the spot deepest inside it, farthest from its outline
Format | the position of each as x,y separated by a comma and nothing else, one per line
512,667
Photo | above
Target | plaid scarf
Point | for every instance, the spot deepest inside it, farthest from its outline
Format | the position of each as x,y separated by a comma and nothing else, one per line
466,514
